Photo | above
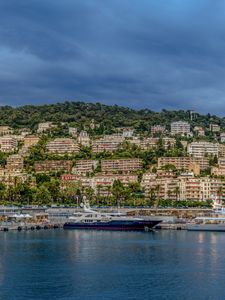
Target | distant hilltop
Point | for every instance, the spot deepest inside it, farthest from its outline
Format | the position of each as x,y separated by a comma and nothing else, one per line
109,116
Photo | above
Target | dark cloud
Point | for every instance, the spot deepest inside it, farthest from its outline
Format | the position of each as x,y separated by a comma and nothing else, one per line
155,54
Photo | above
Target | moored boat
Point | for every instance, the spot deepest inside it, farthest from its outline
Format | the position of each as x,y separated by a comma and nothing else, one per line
90,219
207,224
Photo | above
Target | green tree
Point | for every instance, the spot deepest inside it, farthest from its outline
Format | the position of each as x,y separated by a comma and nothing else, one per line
118,191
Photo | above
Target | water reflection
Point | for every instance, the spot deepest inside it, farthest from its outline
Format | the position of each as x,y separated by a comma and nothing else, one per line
77,264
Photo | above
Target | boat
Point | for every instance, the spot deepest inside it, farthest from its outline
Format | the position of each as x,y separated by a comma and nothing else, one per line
207,224
215,222
91,219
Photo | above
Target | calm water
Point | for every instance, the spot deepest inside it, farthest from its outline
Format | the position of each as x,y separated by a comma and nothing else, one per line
59,264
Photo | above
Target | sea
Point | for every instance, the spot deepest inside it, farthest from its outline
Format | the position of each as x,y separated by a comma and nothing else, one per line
75,264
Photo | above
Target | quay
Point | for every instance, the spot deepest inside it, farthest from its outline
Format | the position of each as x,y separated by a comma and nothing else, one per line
20,227
36,218
168,226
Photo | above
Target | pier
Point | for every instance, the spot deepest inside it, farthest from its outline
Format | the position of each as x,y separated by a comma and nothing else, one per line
20,227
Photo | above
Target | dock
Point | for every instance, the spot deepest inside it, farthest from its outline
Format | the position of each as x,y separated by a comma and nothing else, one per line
22,227
165,226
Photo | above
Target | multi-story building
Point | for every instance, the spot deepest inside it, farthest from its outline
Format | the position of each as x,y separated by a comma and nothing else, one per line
149,143
5,130
135,141
84,166
168,142
73,131
180,127
128,132
166,173
199,130
14,163
222,137
178,162
45,126
13,178
84,138
221,162
62,146
214,128
202,149
101,184
158,129
218,171
183,187
121,165
107,143
161,188
183,162
24,131
221,150
53,166
70,180
30,140
8,144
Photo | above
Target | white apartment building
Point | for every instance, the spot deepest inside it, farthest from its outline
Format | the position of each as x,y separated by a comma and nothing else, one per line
180,127
84,138
158,129
84,166
45,126
183,162
202,149
128,132
107,143
62,146
183,188
214,128
121,165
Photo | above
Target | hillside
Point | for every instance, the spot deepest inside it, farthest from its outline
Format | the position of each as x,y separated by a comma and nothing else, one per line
109,116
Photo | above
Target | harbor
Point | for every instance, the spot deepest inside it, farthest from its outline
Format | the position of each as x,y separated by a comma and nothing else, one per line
37,218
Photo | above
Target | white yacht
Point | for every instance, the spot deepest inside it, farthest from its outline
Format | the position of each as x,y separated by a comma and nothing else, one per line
91,219
216,222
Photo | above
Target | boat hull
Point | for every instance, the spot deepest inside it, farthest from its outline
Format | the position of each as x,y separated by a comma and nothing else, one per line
114,225
206,227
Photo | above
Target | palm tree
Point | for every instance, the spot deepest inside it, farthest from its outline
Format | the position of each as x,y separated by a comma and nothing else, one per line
118,191
108,194
177,192
220,193
157,189
98,194
169,193
89,193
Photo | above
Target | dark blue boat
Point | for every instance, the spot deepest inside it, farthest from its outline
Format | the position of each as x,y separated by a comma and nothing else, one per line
135,224
90,219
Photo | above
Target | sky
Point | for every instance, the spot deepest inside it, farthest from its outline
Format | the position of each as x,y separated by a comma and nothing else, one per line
156,54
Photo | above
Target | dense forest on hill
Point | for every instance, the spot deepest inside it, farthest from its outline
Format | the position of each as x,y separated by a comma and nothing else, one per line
109,116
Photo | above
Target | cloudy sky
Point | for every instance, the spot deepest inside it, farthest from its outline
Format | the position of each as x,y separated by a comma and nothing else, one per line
138,53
